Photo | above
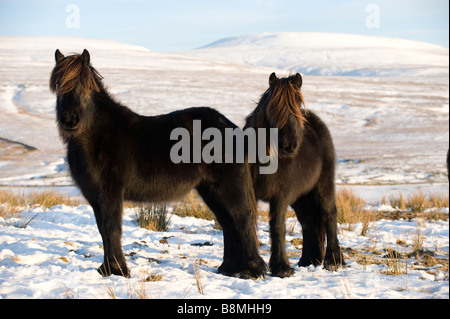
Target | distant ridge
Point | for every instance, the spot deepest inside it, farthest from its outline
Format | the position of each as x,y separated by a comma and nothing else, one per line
331,54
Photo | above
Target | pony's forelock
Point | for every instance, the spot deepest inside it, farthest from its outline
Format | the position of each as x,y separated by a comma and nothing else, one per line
285,99
279,101
72,73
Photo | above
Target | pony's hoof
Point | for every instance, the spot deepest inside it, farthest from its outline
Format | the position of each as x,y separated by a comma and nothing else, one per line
246,274
254,270
283,272
332,263
308,262
332,266
251,274
108,270
228,270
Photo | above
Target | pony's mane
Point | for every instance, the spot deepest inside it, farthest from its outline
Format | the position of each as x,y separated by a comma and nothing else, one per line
72,72
276,104
285,99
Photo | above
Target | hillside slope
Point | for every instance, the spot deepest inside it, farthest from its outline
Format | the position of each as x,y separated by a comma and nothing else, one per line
330,54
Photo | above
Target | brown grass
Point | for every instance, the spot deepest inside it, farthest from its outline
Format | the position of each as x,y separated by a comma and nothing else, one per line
418,201
198,278
348,204
11,203
153,217
438,200
50,198
193,206
350,209
395,263
398,201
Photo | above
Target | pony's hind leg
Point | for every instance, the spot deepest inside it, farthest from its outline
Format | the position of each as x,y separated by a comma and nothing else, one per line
279,263
232,257
327,199
334,258
326,204
230,204
310,213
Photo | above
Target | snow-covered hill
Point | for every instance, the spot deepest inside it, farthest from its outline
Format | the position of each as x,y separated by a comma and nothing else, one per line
330,54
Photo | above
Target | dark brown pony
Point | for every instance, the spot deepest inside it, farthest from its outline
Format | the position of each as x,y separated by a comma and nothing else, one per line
304,179
115,154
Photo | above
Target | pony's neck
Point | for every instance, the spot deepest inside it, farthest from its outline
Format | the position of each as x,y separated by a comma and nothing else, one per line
255,118
106,107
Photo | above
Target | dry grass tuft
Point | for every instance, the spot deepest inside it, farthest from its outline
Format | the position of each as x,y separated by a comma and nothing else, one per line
395,264
193,206
350,210
198,278
50,198
13,204
153,217
418,202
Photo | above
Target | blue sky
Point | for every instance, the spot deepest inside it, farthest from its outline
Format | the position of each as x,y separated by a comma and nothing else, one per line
172,25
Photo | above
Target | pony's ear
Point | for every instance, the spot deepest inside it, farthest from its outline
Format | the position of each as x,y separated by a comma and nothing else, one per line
58,56
272,78
297,81
85,56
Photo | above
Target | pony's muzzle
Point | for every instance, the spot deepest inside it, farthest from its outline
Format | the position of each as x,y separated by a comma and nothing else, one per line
289,148
69,121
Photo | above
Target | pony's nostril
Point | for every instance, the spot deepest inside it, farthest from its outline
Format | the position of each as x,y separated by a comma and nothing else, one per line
75,119
70,121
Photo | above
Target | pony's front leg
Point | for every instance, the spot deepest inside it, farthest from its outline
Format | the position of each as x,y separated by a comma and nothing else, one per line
279,263
111,230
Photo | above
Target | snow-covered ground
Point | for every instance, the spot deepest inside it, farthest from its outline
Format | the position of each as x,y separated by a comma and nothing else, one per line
389,123
57,255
